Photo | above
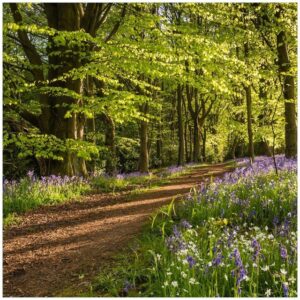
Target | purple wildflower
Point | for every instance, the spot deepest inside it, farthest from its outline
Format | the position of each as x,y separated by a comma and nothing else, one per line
176,232
127,287
191,261
256,246
30,174
240,270
283,252
217,260
285,289
275,221
185,224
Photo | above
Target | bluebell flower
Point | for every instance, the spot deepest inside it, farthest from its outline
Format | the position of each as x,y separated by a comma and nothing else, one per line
191,261
285,289
185,224
283,252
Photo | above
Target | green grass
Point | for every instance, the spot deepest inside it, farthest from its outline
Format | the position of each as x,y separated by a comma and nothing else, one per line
30,193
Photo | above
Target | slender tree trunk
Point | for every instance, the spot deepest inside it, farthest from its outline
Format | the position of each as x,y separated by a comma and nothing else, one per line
249,111
289,94
111,161
144,159
190,143
196,152
249,122
204,144
186,146
159,145
180,127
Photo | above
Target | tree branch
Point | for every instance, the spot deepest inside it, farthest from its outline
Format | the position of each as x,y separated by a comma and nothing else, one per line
29,49
117,25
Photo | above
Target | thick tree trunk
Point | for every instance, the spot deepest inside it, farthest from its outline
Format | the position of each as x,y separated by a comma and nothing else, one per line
62,57
180,127
144,159
289,95
65,17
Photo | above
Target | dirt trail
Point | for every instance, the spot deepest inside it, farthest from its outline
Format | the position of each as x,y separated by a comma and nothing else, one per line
55,246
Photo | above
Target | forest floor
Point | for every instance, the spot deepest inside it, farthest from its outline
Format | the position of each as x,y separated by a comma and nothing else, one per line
63,247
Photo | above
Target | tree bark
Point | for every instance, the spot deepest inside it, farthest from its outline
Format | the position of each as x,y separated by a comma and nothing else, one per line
249,122
144,159
159,145
249,111
204,144
180,127
111,161
196,141
288,93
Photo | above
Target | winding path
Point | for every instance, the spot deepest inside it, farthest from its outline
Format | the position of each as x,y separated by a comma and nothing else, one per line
62,246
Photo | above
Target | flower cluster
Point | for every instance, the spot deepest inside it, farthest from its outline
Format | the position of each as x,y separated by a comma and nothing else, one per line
236,236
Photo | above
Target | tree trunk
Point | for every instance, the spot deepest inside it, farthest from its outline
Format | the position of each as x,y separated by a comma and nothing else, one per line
186,145
111,161
159,145
64,17
196,152
249,111
191,143
144,159
249,122
204,144
180,127
288,93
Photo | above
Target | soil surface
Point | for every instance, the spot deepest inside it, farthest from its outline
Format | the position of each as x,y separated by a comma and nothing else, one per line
59,247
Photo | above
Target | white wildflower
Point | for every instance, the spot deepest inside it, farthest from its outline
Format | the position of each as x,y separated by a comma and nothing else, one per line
174,284
158,257
292,280
192,280
226,277
169,273
184,275
265,268
283,271
183,252
166,283
268,292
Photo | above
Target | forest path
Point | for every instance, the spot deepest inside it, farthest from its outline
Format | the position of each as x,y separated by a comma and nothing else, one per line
62,246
